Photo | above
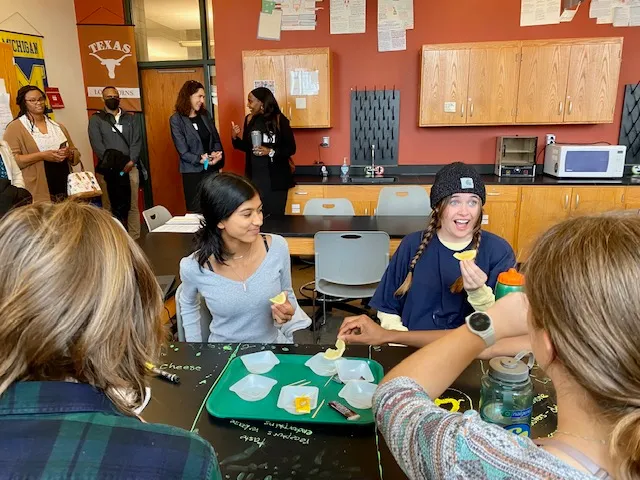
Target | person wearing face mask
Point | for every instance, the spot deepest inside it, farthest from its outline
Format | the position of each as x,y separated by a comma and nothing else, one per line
268,165
196,139
426,291
114,131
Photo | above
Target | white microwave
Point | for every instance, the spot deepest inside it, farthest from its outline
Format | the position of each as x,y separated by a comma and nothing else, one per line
585,161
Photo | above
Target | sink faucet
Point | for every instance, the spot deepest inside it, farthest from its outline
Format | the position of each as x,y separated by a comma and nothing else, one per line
369,170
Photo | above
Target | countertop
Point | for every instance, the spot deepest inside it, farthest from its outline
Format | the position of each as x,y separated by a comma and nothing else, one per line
540,180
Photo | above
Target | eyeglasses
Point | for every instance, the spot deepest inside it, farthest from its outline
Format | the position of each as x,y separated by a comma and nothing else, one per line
36,100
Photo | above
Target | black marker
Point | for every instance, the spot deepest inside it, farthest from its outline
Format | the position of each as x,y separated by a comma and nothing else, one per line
172,377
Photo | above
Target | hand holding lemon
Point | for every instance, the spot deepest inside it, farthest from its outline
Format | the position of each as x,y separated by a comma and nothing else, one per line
473,277
281,309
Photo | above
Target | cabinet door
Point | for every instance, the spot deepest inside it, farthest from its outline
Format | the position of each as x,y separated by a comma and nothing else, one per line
543,83
363,198
493,84
593,83
632,199
589,200
308,103
501,218
540,209
300,195
443,87
259,68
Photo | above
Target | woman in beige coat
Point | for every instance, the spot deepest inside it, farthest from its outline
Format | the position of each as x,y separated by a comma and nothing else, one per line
42,148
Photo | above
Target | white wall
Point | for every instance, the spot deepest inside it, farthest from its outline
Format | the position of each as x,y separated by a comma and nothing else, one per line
56,21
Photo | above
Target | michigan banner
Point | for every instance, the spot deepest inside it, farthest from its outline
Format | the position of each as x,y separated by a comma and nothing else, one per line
29,56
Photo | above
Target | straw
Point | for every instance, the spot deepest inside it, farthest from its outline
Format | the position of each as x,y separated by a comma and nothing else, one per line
297,383
330,378
317,409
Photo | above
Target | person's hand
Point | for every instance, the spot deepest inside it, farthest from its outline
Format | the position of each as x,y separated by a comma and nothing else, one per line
235,130
282,313
261,151
55,156
472,276
127,168
203,158
215,157
362,330
509,315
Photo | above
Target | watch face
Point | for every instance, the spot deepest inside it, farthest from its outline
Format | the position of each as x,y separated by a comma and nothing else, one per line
480,322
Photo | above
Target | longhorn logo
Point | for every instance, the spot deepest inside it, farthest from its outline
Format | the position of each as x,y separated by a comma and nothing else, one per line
111,63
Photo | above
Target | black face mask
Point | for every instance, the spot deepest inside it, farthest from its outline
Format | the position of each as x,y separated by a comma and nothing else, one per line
112,103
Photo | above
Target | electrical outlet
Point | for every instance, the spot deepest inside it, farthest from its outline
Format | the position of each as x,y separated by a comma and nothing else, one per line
551,138
325,142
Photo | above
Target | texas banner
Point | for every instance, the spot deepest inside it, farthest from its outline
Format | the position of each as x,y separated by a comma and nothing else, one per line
28,54
108,57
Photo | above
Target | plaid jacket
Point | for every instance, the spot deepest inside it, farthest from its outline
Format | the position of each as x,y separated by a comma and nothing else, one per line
54,430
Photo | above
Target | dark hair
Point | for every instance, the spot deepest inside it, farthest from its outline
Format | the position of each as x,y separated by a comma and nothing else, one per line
435,223
218,197
270,109
183,102
110,87
21,101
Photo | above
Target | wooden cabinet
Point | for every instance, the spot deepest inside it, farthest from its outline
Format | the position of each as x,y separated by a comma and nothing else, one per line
300,195
493,84
632,199
590,200
526,82
544,71
444,82
593,82
363,197
301,78
501,211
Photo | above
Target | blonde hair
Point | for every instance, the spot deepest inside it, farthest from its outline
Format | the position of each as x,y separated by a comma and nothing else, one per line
78,301
435,223
582,284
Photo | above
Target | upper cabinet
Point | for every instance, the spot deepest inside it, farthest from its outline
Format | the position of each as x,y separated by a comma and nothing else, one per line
527,82
300,79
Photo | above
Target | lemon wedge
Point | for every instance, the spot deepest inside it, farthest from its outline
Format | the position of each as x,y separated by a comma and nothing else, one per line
279,299
302,404
335,353
466,255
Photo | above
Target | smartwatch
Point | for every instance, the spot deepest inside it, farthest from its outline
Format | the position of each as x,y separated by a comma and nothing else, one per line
272,152
481,324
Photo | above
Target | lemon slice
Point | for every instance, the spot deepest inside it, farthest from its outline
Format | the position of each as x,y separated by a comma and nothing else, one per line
302,404
279,299
335,353
466,255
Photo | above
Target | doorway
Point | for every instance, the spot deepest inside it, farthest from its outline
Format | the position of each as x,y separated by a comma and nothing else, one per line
160,89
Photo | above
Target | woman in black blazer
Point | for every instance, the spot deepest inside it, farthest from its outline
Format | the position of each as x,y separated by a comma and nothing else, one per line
196,139
269,166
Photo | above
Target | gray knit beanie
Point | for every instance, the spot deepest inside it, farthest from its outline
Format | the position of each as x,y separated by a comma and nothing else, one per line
455,178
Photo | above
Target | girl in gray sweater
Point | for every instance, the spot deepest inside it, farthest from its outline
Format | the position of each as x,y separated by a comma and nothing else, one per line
237,270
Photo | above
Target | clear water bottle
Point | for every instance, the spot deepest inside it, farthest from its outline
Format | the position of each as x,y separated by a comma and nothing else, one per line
344,169
506,397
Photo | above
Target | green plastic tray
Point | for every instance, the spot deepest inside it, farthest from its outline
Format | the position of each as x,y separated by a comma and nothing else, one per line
223,403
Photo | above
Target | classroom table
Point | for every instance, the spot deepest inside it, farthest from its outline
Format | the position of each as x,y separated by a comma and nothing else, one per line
259,450
165,250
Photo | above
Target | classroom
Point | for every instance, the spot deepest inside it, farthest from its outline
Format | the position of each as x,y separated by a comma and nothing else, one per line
351,239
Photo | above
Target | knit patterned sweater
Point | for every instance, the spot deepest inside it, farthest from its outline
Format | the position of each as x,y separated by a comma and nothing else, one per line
429,442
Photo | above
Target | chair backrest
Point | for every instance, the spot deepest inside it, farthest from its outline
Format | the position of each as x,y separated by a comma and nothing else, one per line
351,258
205,318
329,206
404,200
156,217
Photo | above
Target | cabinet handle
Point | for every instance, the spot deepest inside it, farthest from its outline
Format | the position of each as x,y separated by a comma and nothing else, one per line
462,110
566,201
366,211
577,200
471,110
302,193
289,110
622,198
560,107
493,194
570,107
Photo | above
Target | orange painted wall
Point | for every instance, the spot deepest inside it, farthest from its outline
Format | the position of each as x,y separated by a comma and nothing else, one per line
101,12
357,63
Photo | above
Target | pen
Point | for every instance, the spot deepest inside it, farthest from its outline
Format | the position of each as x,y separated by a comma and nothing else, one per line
172,377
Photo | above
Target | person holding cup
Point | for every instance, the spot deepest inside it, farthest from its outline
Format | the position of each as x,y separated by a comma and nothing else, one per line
196,139
268,142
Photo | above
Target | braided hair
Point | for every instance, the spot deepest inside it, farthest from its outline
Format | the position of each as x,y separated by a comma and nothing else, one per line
21,101
432,228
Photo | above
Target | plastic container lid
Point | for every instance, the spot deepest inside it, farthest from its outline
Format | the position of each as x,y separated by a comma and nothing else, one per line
511,277
509,369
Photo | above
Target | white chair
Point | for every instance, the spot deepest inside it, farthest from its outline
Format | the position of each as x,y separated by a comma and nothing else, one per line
329,206
156,217
349,265
404,200
205,318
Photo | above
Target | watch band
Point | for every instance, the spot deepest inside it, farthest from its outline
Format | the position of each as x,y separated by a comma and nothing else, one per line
488,334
